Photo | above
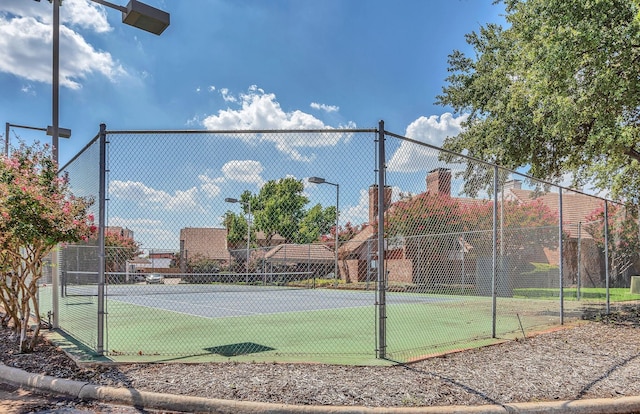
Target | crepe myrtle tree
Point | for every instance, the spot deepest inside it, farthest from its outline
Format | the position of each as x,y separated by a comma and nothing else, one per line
623,240
119,250
434,225
37,211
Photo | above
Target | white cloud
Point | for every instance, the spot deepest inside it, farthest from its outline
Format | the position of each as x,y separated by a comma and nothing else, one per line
245,171
130,223
226,95
261,111
209,185
323,107
25,42
158,199
146,230
359,213
85,14
28,89
80,13
433,130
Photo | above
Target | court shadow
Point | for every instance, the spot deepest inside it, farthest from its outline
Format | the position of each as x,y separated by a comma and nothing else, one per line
243,348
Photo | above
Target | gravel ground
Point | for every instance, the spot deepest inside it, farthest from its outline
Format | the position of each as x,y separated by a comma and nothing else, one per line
598,359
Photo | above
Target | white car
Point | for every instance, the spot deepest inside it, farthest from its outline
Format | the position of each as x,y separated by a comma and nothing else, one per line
154,278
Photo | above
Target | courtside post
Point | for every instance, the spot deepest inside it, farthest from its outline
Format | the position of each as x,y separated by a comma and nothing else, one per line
101,229
606,251
495,253
560,259
381,299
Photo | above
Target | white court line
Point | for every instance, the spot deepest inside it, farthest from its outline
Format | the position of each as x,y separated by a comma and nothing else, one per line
187,303
237,316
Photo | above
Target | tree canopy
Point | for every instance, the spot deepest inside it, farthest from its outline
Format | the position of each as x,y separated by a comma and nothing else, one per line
280,208
37,211
557,91
119,249
624,243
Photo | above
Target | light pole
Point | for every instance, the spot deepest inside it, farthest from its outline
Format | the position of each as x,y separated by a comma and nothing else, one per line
135,14
248,204
62,132
319,180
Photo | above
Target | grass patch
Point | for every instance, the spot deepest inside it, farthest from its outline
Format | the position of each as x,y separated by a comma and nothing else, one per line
540,268
615,294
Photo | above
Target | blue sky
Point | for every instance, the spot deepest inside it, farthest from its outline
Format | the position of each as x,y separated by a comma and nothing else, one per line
299,63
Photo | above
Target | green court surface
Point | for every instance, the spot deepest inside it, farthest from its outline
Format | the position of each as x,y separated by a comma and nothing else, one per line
337,335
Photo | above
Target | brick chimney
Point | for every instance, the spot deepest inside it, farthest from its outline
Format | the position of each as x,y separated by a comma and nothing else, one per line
373,202
439,181
512,184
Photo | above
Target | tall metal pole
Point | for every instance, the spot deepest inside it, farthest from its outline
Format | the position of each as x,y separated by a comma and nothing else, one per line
494,274
560,256
381,294
6,139
606,251
336,273
248,239
102,190
56,80
579,260
55,276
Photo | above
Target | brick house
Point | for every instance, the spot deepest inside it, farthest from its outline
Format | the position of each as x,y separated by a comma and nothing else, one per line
203,242
121,231
454,266
576,208
312,259
211,243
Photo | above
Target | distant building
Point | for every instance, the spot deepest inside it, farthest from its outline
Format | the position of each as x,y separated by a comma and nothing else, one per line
204,242
121,231
358,256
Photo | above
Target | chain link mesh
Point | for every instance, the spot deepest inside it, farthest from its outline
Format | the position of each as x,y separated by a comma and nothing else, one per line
78,263
240,259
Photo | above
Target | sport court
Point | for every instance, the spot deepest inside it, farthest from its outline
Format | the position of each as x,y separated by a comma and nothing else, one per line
195,322
220,302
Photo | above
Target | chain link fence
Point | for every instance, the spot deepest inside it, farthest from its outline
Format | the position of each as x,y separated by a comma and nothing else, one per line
79,315
225,244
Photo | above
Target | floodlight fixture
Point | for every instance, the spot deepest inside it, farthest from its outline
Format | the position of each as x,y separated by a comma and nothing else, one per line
62,133
145,17
316,180
141,16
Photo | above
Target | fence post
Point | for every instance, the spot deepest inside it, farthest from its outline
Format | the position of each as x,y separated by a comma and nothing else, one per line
560,256
606,250
55,286
494,275
101,230
381,296
579,260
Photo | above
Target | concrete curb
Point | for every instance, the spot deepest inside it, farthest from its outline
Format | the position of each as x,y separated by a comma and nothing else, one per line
152,400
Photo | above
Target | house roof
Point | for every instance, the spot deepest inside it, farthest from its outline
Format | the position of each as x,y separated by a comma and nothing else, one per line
300,253
367,233
576,207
